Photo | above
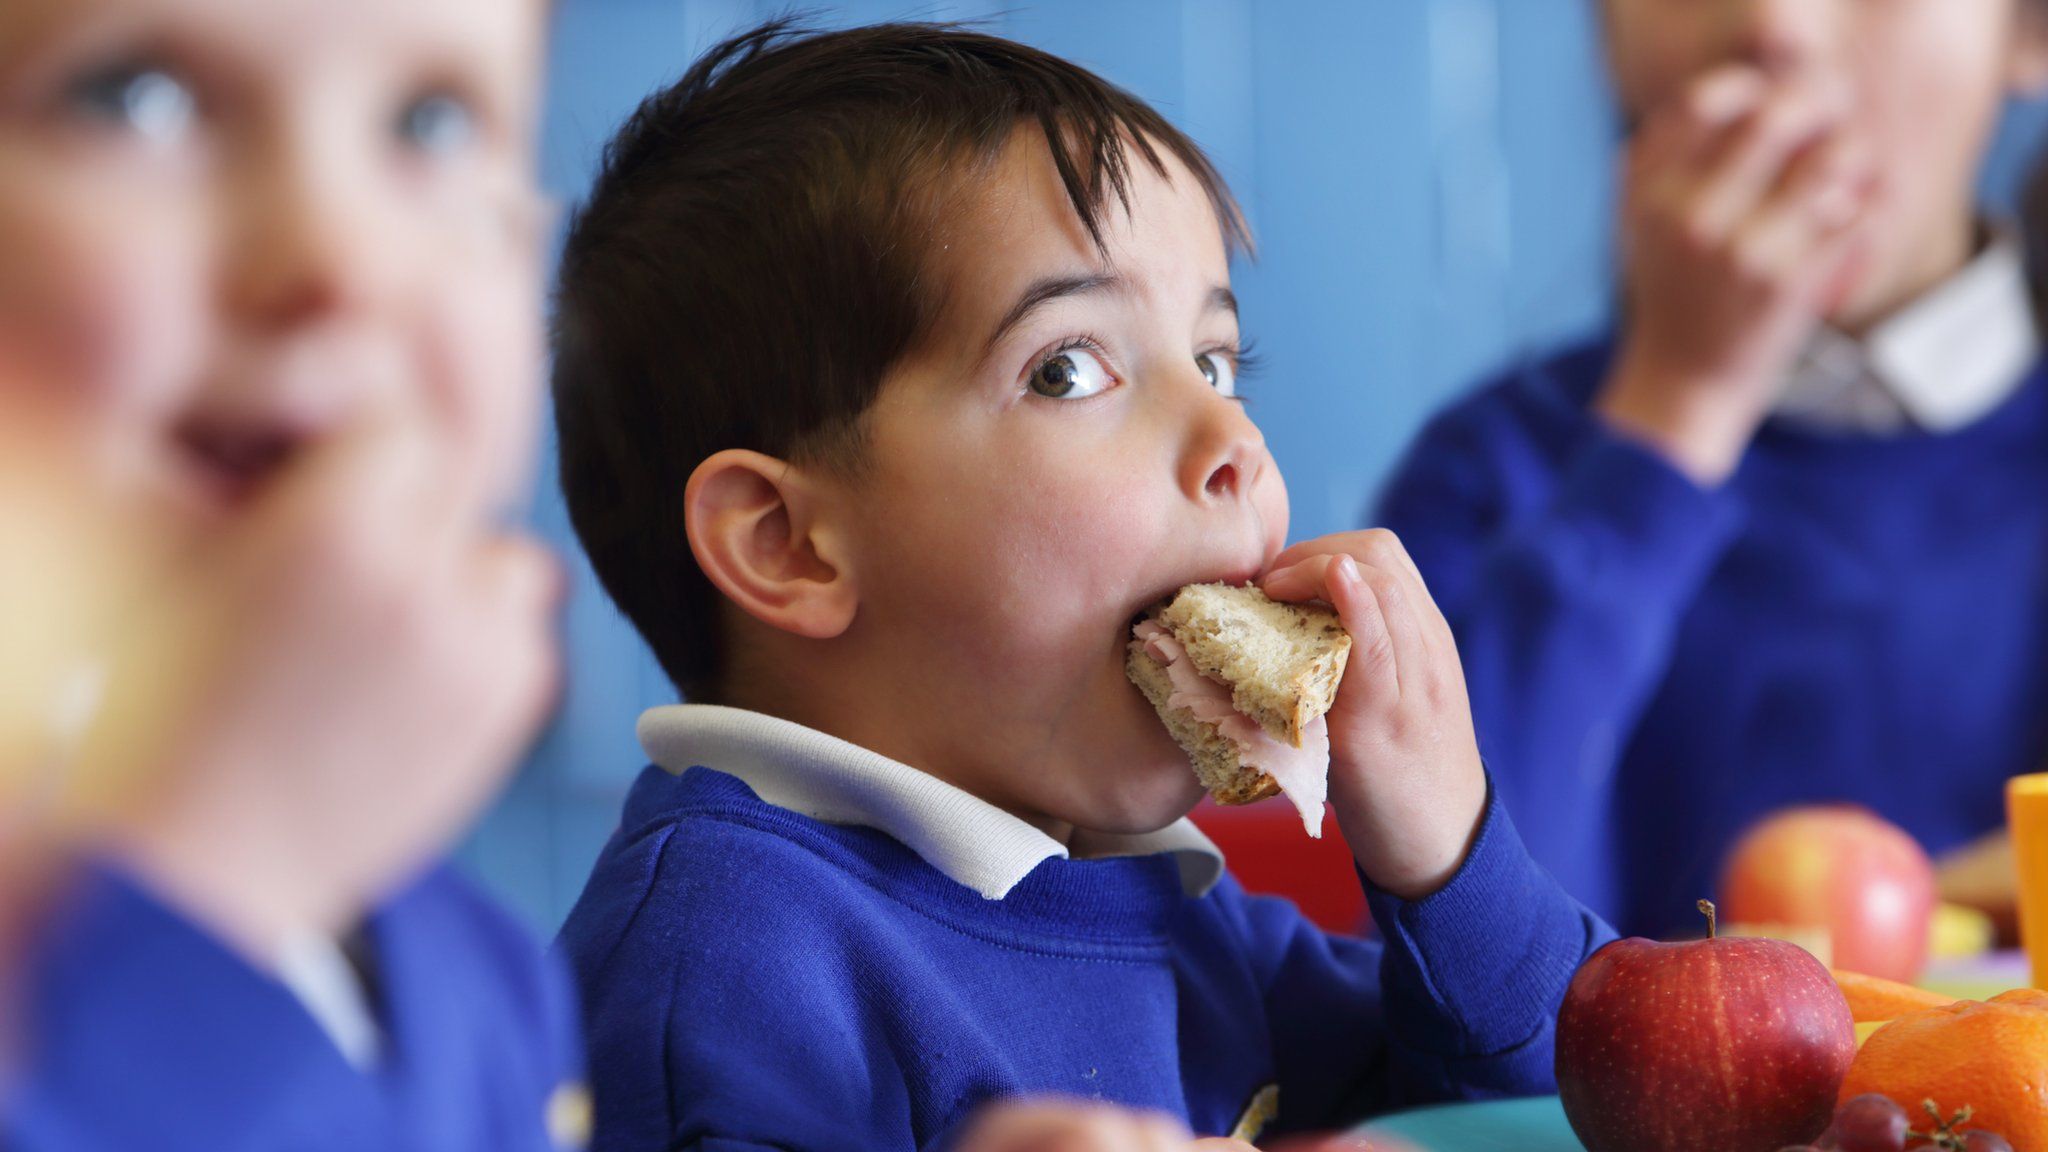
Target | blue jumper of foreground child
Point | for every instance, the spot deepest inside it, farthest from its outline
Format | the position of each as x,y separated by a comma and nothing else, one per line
896,373
1783,538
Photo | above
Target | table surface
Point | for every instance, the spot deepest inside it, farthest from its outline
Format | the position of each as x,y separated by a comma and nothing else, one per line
1495,1126
1539,1125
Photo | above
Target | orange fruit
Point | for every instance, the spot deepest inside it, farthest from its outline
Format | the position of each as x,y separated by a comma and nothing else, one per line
1874,998
1990,1056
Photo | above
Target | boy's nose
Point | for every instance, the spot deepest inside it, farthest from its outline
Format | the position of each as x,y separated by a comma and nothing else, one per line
300,251
1226,453
1785,37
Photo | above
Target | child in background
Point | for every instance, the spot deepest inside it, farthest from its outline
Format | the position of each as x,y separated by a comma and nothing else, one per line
895,375
271,288
1783,536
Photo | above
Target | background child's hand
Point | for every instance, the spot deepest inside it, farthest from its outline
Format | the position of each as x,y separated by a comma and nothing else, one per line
1063,1126
1741,205
1405,777
1984,875
367,659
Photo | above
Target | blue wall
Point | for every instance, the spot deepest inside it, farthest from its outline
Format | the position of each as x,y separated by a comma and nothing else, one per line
1429,182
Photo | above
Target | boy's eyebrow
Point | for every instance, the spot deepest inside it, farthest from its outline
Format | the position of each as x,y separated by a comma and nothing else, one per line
1045,291
1222,300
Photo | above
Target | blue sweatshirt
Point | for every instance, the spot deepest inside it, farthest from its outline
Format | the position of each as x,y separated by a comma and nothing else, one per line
146,1033
755,978
1653,666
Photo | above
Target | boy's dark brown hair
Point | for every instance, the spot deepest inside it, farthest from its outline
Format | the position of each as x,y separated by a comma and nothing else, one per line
752,260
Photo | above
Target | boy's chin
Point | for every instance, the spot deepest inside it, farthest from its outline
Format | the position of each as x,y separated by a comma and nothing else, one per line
1156,795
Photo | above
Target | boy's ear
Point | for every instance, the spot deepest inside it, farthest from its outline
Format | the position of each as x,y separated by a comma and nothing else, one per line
755,527
2027,69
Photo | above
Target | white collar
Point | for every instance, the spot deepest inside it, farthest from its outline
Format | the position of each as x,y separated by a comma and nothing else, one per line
970,840
1942,363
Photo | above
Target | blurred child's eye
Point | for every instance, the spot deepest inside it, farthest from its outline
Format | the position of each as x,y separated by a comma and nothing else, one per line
437,125
1070,374
147,101
1219,372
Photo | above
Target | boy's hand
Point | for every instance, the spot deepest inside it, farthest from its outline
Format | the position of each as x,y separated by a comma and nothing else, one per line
1405,777
1982,874
1063,1126
1740,214
369,659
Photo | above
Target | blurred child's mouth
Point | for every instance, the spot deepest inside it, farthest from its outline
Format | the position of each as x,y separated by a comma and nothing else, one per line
234,462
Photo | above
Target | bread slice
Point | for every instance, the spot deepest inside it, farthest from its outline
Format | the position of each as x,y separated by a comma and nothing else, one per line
1281,663
1226,778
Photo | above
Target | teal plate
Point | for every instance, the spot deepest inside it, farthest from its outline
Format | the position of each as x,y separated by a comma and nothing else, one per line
1495,1126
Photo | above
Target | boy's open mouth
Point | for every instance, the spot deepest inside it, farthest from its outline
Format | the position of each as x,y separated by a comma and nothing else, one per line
235,458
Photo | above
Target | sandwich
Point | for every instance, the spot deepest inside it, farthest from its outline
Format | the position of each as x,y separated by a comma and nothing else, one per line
1242,682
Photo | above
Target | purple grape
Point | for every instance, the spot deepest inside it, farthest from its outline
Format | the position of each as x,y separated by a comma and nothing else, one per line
1979,1140
1869,1123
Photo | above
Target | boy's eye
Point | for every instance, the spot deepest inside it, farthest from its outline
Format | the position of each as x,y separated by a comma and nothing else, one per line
437,125
148,101
1219,372
1070,374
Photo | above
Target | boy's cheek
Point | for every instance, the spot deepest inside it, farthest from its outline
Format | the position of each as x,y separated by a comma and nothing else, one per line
97,310
484,343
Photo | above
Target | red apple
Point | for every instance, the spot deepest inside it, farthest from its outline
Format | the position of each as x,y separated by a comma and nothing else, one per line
1843,870
1727,1044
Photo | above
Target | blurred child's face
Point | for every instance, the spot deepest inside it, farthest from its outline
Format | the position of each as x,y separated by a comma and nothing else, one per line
1063,453
230,227
1924,81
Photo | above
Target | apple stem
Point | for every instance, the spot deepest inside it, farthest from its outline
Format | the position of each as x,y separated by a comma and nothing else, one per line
1707,909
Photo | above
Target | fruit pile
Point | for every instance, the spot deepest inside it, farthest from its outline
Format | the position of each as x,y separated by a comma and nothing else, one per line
1731,1044
1874,1123
1990,1055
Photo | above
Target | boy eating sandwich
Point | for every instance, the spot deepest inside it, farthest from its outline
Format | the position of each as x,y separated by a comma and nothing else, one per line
896,381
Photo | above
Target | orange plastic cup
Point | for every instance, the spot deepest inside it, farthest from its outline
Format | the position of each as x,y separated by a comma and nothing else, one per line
2026,811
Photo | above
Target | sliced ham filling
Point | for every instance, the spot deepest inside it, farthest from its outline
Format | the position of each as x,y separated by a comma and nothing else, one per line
1302,773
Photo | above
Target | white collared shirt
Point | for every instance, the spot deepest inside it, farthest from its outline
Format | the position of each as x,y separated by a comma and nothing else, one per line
1942,363
318,972
828,779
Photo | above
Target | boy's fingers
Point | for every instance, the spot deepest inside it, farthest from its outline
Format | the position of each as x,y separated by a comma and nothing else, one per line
1753,162
1373,649
1160,1134
1830,185
1816,207
1295,553
1390,555
1698,118
1055,1127
1391,591
1359,543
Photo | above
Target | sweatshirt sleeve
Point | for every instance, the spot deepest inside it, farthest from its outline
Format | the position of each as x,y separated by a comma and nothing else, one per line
1564,557
1460,1003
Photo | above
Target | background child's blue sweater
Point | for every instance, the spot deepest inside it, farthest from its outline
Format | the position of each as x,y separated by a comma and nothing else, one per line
1653,667
757,979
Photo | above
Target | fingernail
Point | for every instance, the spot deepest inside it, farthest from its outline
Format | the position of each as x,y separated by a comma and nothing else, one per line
1347,570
